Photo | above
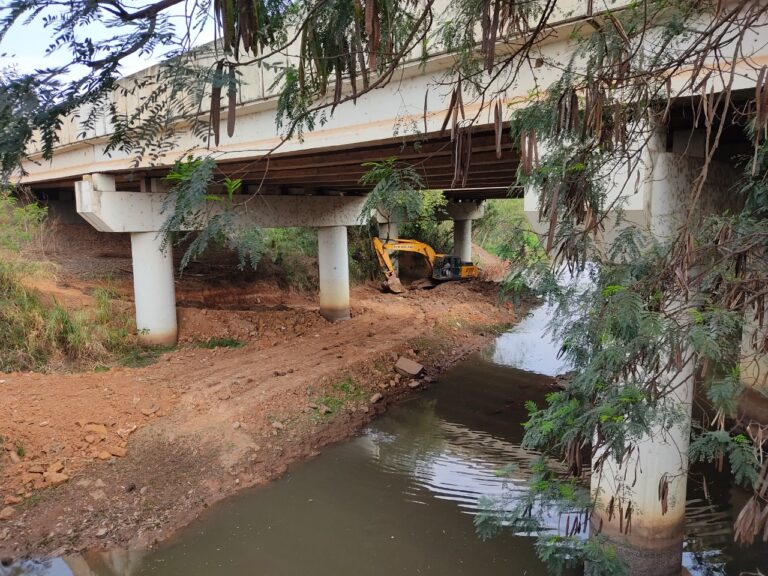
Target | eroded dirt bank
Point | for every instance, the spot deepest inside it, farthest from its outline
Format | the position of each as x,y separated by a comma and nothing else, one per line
125,457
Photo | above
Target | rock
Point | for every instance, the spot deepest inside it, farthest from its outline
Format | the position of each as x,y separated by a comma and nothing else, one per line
407,367
376,397
104,455
117,451
55,467
313,406
101,532
36,469
84,483
151,409
43,424
14,457
278,425
29,478
6,561
91,438
11,500
98,494
7,513
127,431
99,483
236,425
325,409
98,429
56,478
414,384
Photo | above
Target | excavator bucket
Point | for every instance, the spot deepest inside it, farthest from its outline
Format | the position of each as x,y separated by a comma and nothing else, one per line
393,284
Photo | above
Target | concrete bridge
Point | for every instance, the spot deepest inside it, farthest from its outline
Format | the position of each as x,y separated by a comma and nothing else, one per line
316,182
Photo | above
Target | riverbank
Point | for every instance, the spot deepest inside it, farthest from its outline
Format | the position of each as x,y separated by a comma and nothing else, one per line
127,456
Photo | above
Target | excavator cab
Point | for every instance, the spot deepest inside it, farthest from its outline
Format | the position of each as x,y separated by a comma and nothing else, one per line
448,267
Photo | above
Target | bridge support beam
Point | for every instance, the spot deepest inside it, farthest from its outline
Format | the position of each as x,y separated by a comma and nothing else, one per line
333,263
153,289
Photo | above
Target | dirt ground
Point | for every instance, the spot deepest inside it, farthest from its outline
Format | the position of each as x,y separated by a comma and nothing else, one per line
126,456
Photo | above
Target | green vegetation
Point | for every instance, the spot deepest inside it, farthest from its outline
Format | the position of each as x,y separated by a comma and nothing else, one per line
19,222
36,334
342,393
221,343
504,230
294,251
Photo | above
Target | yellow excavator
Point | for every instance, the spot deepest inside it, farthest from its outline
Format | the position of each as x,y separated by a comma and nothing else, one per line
442,266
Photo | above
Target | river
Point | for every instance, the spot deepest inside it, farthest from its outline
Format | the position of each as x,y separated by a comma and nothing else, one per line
401,498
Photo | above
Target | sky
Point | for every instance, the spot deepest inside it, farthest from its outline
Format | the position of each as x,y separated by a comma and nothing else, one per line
25,44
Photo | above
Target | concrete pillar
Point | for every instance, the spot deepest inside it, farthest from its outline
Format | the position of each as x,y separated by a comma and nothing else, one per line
333,262
650,536
462,239
646,531
389,230
153,288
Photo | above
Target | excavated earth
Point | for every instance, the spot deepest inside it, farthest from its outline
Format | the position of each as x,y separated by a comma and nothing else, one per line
126,456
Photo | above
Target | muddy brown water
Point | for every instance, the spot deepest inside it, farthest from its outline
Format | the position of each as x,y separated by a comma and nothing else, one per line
401,498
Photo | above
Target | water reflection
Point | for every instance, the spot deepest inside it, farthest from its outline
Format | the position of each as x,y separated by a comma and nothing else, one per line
530,347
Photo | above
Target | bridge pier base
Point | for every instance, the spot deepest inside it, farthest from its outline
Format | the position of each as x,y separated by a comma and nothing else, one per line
154,290
333,264
462,239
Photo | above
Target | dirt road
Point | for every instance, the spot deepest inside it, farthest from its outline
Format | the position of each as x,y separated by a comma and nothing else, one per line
128,455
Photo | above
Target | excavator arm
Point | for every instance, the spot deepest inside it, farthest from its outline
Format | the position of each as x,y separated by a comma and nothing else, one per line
403,245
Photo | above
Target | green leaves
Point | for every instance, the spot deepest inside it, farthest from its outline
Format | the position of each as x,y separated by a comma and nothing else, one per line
396,190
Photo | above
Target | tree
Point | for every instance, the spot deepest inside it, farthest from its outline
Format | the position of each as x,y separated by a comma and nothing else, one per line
655,305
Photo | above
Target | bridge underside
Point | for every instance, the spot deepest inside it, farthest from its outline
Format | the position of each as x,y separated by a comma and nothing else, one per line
338,170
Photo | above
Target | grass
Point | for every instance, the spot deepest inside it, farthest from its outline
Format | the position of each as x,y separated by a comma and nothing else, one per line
342,393
139,357
221,343
44,336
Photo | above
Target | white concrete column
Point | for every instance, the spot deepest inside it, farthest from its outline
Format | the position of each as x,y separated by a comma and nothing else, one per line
153,288
650,536
648,530
462,239
333,262
389,230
